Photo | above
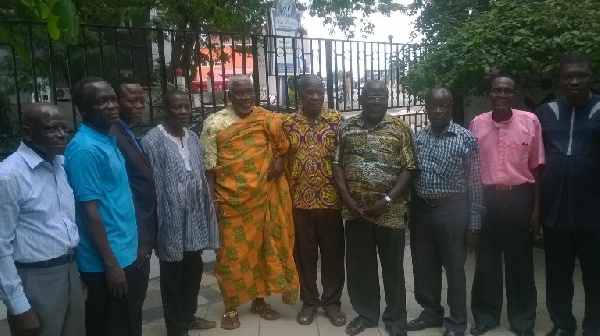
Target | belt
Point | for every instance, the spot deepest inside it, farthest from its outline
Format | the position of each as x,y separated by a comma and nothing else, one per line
63,259
443,200
500,187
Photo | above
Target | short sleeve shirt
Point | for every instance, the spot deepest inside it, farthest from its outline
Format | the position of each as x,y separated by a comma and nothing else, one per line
96,171
372,158
310,159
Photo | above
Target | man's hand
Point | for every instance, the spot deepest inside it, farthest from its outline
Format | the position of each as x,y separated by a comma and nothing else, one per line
27,324
535,220
116,281
143,255
84,289
218,209
472,240
355,210
376,209
275,169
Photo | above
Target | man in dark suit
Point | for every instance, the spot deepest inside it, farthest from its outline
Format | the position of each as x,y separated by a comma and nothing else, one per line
132,101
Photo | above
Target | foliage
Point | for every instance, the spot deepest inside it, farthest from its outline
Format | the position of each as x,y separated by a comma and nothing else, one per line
59,16
525,39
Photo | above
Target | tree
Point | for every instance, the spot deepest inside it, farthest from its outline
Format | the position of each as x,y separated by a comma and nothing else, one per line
525,39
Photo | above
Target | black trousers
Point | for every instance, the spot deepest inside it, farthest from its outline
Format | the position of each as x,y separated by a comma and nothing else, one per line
106,314
561,247
179,288
320,229
440,242
137,296
505,230
364,241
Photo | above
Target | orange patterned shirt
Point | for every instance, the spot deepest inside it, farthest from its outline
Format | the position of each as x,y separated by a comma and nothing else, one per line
309,161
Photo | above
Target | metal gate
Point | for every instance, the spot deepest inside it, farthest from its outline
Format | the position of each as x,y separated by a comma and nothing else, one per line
198,63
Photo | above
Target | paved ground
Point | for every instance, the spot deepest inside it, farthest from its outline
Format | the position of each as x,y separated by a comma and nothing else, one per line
211,307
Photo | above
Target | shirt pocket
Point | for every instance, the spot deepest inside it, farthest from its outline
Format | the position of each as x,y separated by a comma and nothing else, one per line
449,166
518,149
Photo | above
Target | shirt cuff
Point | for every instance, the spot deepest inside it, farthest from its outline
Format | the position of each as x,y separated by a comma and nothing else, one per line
475,222
19,304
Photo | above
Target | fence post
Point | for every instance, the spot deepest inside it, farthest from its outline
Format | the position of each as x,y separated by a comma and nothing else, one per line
329,70
255,70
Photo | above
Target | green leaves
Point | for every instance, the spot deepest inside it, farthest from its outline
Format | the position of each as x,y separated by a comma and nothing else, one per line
523,38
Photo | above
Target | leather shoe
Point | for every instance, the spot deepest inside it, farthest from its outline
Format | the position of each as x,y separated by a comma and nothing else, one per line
419,324
358,325
453,333
393,331
306,315
480,329
560,332
523,333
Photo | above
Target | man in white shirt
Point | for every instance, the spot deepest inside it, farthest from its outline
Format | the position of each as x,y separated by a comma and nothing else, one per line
38,237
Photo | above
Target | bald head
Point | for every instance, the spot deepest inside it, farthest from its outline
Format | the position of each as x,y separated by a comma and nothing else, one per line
45,130
238,80
309,80
34,113
374,85
439,93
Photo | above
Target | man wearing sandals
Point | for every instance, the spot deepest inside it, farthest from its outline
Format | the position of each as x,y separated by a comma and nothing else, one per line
373,167
317,209
243,157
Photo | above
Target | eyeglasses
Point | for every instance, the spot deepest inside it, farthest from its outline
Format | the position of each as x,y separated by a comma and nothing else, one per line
375,98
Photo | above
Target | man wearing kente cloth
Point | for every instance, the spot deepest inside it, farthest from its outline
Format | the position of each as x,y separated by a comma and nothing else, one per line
243,148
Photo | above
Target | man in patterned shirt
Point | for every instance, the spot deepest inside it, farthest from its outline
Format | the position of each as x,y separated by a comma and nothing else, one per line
373,167
316,205
446,215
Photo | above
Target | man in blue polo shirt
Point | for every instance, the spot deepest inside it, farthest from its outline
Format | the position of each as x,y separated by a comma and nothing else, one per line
105,213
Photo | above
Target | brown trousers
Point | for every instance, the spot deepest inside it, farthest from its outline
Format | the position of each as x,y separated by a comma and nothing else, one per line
320,229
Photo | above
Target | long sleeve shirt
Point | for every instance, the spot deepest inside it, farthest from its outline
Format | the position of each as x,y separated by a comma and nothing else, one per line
38,219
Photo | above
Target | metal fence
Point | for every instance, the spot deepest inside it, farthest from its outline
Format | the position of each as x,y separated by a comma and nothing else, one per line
198,63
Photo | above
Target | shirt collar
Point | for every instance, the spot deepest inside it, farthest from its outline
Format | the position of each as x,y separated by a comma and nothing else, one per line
125,124
85,129
451,129
322,114
503,122
33,159
361,122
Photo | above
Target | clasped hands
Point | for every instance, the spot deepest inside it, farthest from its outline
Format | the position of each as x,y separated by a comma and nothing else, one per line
371,212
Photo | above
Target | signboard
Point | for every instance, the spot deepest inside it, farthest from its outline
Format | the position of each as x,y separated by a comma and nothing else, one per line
285,21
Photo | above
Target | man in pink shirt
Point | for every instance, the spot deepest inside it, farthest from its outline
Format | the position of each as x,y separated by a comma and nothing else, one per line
512,151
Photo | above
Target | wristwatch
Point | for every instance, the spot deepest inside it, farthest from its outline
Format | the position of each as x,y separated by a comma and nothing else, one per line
388,200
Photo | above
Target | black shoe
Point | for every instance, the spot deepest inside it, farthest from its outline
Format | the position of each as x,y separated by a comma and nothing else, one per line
419,324
358,325
395,331
523,333
306,315
453,333
560,332
480,329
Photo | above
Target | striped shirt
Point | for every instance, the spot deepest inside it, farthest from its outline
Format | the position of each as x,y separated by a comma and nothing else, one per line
38,218
450,164
186,215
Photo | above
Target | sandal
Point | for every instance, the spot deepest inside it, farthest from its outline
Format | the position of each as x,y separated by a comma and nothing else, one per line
265,311
201,324
230,320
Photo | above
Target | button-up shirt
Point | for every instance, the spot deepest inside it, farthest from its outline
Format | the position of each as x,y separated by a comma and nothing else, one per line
509,149
37,214
570,184
96,171
372,158
310,158
450,164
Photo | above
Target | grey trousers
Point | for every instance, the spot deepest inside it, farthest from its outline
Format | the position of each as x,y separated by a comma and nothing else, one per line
440,244
55,295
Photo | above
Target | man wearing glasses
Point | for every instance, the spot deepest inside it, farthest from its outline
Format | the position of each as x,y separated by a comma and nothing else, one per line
373,168
446,214
511,148
569,201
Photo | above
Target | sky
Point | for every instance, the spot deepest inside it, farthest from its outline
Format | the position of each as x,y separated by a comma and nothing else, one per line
398,25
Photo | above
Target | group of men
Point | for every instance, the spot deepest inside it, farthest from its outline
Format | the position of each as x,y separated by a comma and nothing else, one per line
271,192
